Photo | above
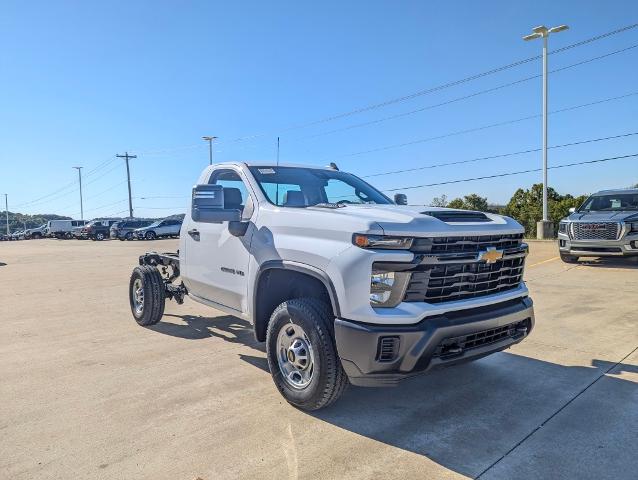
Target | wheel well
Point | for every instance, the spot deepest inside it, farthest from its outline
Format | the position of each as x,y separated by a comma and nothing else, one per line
275,286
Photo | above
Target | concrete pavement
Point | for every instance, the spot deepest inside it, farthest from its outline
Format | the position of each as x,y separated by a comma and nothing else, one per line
87,393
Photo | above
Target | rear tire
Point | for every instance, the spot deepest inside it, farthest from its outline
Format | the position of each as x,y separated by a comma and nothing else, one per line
129,236
568,258
302,354
147,295
68,235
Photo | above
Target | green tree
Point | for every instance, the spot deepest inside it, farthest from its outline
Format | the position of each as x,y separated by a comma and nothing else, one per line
439,201
472,201
526,206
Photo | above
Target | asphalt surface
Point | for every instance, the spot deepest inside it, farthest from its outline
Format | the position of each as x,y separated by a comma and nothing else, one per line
87,393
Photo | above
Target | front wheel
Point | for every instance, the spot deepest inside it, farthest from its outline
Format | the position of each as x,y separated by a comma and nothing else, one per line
99,236
147,295
302,355
129,236
150,235
568,258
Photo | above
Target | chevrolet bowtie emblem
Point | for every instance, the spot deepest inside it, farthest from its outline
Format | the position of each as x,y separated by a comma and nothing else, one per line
491,255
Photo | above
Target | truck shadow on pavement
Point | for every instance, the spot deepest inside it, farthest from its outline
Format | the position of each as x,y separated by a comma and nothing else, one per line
610,262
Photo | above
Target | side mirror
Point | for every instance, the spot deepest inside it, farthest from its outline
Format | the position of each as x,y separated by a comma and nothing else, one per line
400,199
207,205
572,210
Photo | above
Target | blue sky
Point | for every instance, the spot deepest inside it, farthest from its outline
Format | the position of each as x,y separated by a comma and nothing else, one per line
82,81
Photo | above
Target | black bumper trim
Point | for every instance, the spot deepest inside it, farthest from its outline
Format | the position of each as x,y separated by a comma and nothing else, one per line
420,344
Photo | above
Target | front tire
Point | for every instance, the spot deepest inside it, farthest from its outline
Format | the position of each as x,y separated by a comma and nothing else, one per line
568,258
150,236
129,236
147,295
302,354
99,236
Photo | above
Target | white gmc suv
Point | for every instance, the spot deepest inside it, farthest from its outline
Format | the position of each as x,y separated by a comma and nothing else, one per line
343,284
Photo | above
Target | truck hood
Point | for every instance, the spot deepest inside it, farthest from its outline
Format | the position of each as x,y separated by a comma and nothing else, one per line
426,221
618,216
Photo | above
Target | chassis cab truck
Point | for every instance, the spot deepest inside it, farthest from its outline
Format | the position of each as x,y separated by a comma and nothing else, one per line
342,283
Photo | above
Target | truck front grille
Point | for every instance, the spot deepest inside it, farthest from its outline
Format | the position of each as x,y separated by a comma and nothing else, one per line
458,281
469,244
594,230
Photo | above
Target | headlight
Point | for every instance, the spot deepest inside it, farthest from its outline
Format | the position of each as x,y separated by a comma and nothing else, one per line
562,227
387,288
632,227
382,242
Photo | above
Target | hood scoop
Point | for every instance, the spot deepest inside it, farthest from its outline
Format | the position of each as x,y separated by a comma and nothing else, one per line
458,216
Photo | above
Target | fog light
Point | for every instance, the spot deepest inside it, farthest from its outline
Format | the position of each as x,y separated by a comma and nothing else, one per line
381,287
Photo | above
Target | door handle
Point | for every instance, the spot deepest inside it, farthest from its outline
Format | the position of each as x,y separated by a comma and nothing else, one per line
193,232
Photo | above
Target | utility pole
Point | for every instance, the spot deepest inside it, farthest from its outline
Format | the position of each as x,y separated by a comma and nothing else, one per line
126,157
6,207
79,169
544,228
210,141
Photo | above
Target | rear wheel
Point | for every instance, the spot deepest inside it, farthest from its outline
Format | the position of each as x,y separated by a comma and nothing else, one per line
302,354
68,235
150,235
147,295
129,236
568,258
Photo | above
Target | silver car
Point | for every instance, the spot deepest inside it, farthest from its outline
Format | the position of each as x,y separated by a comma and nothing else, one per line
605,225
169,227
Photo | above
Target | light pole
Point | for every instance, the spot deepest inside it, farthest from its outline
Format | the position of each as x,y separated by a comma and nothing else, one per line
210,141
544,228
79,169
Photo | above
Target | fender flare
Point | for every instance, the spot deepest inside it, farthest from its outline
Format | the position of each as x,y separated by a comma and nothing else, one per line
301,268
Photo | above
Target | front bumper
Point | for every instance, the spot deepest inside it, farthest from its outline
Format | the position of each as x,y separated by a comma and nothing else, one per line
626,246
382,355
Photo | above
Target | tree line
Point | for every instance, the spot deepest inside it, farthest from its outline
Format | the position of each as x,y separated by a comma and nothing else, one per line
525,206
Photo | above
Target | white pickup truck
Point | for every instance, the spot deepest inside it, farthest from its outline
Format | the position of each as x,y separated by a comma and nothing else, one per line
343,284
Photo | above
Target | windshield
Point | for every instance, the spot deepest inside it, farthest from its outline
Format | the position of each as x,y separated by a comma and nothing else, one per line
305,187
611,202
155,224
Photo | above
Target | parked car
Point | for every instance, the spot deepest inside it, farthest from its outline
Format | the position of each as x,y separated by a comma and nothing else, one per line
124,230
17,235
342,284
34,233
169,227
605,225
62,228
98,229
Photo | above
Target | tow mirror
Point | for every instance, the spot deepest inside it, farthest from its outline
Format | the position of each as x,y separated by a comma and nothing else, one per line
572,210
207,205
400,199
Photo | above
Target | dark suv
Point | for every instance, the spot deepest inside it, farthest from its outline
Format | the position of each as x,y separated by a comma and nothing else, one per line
98,229
123,230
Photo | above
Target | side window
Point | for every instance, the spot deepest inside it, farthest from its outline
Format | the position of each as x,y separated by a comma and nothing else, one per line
230,179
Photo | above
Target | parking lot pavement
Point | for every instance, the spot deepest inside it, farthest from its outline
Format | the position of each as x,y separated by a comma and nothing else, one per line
87,393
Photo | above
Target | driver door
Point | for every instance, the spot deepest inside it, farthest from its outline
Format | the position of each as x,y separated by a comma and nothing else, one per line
217,267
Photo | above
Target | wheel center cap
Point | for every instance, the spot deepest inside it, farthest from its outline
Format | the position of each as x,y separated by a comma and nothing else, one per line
291,356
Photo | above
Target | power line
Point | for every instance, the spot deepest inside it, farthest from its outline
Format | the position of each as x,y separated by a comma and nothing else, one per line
476,129
507,174
418,93
501,155
465,97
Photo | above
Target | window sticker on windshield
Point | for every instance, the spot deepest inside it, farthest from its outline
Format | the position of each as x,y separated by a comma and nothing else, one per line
615,203
266,171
